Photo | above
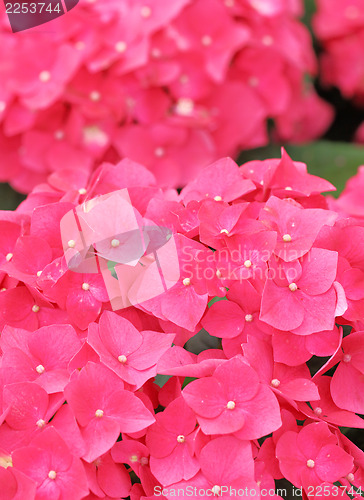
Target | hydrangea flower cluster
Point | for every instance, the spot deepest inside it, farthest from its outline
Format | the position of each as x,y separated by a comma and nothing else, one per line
113,75
101,403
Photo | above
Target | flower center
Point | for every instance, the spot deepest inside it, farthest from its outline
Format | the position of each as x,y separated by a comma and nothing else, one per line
40,423
122,359
347,358
186,281
35,308
267,40
71,244
145,11
249,318
9,256
216,489
159,152
185,106
180,438
206,40
287,238
317,411
310,463
44,76
293,287
52,474
231,405
95,96
120,47
99,413
275,383
115,243
248,263
85,286
224,231
217,198
40,369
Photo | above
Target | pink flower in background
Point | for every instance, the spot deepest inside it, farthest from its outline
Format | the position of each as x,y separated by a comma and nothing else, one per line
339,25
114,75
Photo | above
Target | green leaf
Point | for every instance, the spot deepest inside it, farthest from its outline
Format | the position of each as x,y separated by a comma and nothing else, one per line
161,379
216,299
187,381
9,199
334,161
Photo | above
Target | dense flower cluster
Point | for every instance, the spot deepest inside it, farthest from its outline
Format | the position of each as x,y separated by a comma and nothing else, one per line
109,76
93,398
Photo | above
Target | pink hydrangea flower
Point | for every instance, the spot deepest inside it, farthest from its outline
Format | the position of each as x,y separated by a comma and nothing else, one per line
312,456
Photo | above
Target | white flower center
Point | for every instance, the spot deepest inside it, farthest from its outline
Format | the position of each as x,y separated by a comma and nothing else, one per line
185,106
44,76
95,96
206,40
216,489
145,11
317,411
120,47
159,152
